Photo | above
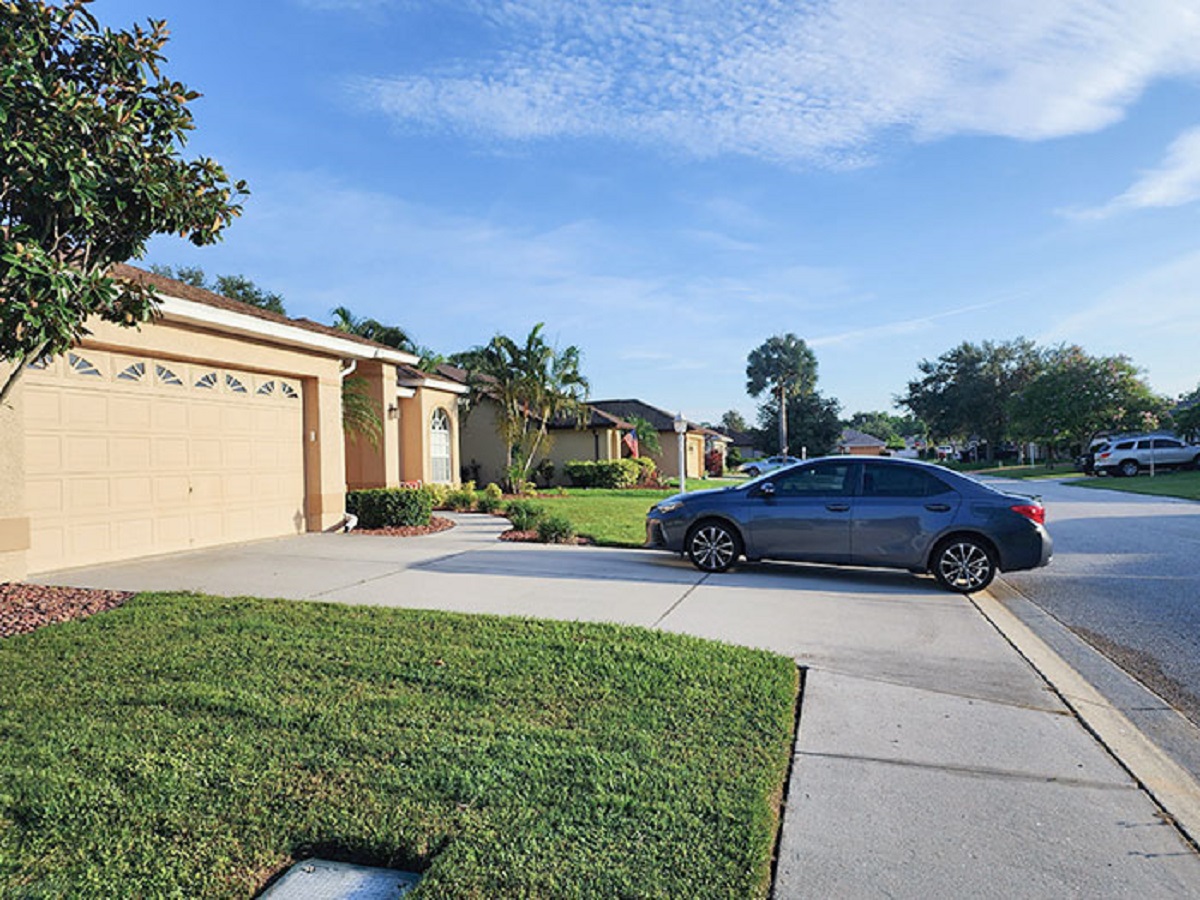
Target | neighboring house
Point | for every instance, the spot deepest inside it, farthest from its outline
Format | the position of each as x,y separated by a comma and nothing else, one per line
664,423
745,443
483,452
859,443
217,422
715,441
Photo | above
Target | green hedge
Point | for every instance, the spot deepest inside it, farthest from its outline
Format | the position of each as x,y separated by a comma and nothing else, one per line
613,473
390,507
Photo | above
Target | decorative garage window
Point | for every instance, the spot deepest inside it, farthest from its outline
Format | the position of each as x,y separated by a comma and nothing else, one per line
166,376
439,447
134,372
288,391
208,382
81,365
39,364
267,387
234,385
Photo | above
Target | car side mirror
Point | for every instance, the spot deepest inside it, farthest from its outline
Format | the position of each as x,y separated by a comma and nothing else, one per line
767,489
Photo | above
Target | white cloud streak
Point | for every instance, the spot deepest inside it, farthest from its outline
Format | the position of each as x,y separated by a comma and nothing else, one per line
1174,182
815,83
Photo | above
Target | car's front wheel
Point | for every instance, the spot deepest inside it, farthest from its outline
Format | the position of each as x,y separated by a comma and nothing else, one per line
713,546
752,472
964,564
1129,468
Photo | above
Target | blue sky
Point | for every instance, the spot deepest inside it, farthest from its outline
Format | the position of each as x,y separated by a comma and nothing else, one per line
667,184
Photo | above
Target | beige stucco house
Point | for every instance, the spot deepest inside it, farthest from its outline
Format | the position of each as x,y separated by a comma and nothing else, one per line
663,422
216,423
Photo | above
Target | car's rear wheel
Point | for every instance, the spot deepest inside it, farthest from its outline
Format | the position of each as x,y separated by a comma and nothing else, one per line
713,546
964,564
752,472
1129,468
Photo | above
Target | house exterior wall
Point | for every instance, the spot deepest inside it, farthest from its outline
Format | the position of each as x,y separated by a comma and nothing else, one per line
416,416
482,450
313,439
375,465
569,445
668,460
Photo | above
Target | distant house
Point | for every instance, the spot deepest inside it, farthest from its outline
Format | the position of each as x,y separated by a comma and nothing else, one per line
715,442
663,422
745,443
598,437
859,443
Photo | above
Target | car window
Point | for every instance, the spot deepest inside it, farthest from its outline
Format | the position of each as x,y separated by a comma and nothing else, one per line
1167,443
1143,445
900,481
1125,445
820,480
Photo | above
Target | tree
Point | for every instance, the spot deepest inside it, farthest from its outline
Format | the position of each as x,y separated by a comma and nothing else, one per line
235,287
785,365
966,391
1078,395
647,436
1187,416
91,137
532,385
732,420
389,335
816,424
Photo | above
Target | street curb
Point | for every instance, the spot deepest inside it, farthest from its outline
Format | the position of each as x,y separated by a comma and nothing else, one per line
1172,787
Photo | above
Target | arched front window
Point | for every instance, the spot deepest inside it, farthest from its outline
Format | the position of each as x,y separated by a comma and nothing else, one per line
439,447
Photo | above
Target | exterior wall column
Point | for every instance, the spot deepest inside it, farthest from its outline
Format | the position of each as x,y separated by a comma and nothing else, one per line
324,454
14,520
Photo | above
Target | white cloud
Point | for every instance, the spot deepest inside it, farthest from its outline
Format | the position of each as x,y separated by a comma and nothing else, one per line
1175,182
815,82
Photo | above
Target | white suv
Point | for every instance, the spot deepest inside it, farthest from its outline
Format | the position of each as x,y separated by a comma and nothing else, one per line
1128,455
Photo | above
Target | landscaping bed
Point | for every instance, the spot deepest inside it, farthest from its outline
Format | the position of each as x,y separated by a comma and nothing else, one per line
183,745
436,524
26,607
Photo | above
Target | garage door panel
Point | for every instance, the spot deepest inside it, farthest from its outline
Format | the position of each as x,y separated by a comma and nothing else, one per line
129,456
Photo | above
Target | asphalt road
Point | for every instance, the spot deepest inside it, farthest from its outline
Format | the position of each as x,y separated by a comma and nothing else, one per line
1126,578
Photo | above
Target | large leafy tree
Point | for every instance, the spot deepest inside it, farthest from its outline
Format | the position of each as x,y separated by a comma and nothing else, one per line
91,140
236,287
533,385
816,425
786,367
966,391
731,420
1078,395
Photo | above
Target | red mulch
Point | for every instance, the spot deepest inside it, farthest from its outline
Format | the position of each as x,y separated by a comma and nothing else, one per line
531,537
26,607
436,524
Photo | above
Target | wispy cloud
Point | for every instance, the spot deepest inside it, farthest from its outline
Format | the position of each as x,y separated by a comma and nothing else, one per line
902,326
818,82
1174,182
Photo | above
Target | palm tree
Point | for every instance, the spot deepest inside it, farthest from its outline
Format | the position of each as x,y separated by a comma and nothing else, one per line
786,365
533,385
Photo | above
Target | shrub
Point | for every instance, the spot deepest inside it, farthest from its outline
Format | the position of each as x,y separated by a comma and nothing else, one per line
437,494
646,469
390,507
523,514
555,530
462,498
612,473
485,503
714,463
493,491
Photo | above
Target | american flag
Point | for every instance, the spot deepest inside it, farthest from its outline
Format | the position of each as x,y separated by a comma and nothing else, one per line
631,442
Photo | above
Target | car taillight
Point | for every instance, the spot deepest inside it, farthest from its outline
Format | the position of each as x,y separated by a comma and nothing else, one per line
1032,512
1104,455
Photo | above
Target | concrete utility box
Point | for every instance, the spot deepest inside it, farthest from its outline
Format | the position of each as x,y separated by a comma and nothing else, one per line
321,879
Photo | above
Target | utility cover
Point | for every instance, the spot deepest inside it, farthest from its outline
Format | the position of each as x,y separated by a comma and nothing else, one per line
320,879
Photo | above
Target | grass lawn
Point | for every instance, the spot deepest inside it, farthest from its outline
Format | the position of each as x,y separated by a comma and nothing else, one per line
1185,485
190,746
616,518
1057,470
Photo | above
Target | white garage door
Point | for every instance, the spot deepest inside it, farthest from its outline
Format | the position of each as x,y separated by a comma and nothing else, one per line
129,456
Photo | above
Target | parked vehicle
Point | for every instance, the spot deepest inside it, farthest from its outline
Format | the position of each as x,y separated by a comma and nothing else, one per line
1129,455
757,467
861,511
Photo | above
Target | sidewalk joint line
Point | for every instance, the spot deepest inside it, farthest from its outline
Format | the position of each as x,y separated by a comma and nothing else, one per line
674,606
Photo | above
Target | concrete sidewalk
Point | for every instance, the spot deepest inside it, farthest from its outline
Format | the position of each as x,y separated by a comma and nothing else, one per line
932,759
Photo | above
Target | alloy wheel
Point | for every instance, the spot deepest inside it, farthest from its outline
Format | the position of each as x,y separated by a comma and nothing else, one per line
713,547
965,566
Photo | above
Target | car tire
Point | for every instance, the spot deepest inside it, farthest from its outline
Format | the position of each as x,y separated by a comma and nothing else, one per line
1129,468
713,546
752,472
964,564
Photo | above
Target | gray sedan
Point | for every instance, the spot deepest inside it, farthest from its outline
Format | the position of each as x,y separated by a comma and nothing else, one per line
859,511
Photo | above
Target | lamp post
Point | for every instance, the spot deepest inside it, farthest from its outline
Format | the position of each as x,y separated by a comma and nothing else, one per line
681,430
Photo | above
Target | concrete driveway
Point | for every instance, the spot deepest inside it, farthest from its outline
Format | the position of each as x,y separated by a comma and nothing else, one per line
931,760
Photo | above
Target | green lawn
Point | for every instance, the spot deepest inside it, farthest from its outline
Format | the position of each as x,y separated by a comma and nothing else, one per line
1057,470
189,746
616,518
1185,485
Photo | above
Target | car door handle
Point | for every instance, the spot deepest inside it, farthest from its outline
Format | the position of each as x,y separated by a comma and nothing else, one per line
838,507
938,507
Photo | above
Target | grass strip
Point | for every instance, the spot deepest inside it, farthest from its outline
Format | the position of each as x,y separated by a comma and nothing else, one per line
191,746
1168,483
